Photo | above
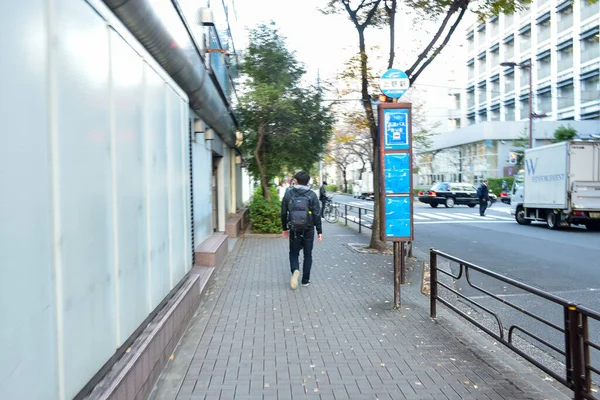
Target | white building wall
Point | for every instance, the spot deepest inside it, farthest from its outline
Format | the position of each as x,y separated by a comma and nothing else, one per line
202,175
94,172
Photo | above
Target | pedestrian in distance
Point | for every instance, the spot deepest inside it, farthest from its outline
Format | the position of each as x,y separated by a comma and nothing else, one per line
483,194
300,216
323,197
281,190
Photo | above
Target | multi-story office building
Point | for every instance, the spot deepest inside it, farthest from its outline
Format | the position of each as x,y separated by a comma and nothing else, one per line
559,43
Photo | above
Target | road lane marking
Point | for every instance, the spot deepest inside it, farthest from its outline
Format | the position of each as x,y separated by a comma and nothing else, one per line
465,216
435,216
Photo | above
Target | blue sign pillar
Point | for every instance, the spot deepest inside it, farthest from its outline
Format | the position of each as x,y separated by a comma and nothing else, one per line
396,171
395,164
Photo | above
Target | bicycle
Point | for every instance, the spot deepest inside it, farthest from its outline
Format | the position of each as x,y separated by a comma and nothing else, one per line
331,212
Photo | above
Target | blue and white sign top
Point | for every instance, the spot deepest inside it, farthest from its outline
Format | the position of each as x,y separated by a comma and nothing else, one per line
394,83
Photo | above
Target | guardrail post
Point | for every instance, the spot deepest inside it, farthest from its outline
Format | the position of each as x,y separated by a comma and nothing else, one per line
575,351
345,214
359,219
432,283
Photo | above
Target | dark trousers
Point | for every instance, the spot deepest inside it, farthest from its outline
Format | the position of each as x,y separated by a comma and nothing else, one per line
323,202
302,241
482,206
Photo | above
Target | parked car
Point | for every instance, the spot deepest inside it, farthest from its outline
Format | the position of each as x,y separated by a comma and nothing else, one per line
451,194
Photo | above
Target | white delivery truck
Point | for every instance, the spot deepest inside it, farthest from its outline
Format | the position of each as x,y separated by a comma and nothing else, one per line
363,188
560,185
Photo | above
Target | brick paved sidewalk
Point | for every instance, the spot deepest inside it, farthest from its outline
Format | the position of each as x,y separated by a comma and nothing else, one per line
255,338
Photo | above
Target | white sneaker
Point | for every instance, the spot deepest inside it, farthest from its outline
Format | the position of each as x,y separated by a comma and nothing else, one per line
294,280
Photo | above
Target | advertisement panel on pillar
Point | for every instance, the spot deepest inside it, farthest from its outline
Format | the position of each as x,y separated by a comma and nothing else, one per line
395,160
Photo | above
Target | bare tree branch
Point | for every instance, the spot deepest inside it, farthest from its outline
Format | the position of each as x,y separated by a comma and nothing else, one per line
391,12
437,51
453,8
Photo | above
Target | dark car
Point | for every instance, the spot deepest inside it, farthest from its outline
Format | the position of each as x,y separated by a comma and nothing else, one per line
451,194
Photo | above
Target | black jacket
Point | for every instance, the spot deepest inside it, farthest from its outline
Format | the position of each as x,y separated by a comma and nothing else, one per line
485,193
313,202
322,193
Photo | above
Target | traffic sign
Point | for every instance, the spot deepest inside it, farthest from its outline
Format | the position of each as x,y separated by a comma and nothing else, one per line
394,83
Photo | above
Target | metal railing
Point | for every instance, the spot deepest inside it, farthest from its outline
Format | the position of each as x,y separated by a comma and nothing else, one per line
362,212
574,329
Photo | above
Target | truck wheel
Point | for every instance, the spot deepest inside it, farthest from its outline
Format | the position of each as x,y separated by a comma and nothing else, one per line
520,217
449,202
593,226
553,220
434,205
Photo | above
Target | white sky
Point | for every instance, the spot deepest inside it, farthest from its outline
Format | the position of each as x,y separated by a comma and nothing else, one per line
324,42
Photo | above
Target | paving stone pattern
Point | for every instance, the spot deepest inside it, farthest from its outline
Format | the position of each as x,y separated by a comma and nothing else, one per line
336,339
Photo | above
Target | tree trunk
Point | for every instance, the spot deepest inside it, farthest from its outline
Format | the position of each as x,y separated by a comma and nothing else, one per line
345,181
261,169
392,15
376,242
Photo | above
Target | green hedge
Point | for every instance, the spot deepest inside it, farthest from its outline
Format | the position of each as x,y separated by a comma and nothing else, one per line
331,188
495,184
265,214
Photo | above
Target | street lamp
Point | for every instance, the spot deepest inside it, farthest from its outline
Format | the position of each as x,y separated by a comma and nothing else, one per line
529,66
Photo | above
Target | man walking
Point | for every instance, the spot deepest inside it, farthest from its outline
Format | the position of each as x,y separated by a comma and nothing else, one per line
323,197
484,196
300,215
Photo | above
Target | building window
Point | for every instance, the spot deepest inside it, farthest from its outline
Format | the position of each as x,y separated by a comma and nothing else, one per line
525,37
544,61
495,113
494,26
471,69
590,44
481,92
482,63
454,101
509,80
471,40
481,33
524,107
494,55
470,97
453,124
590,86
544,100
524,75
565,94
470,119
482,115
495,86
565,55
509,47
588,10
509,112
543,26
509,19
564,12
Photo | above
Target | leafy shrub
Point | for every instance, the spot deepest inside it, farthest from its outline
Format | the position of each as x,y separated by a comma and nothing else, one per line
265,214
331,188
495,184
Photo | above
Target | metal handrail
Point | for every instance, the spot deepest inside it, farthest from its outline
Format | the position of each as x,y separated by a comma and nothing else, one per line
578,364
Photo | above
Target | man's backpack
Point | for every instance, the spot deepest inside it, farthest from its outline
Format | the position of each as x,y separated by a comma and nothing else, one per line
479,191
300,214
